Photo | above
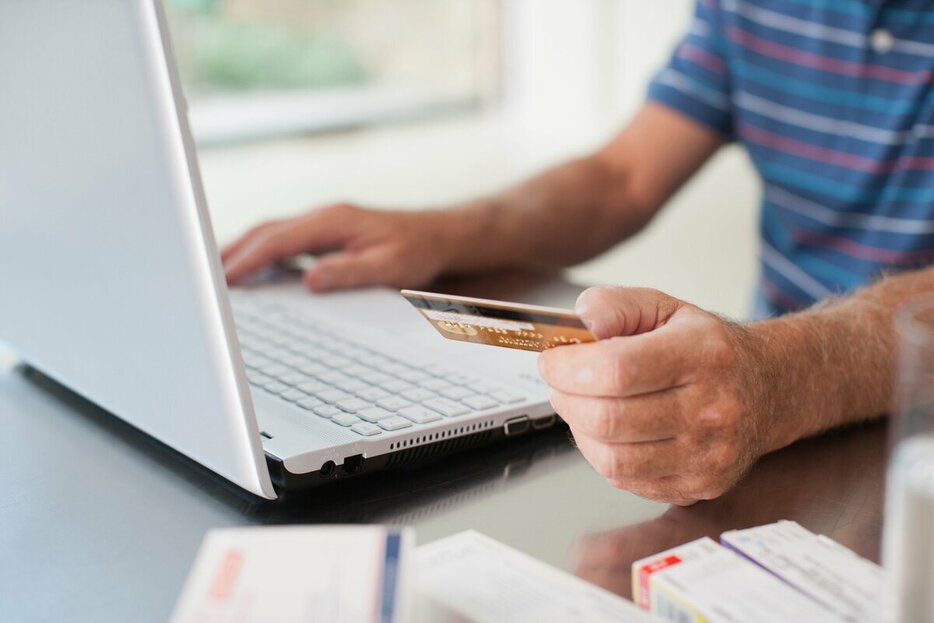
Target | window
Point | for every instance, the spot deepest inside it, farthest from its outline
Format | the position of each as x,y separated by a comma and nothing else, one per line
255,68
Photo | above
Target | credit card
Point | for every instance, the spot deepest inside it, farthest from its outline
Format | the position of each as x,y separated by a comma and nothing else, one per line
499,323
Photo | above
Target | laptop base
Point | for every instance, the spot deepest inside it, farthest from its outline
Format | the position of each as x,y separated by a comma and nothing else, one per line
356,466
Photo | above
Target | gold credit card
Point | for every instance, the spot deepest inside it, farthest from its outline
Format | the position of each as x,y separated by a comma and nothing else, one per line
498,323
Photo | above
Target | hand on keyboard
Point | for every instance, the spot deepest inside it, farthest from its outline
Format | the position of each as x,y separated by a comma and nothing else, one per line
364,247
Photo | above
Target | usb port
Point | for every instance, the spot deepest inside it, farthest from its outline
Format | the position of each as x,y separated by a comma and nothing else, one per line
541,423
517,426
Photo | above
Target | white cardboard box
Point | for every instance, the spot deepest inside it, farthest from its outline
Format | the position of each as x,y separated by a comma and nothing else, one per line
831,574
704,582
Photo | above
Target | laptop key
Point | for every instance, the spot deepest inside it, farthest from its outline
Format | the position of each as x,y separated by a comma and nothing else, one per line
333,395
351,385
461,379
345,419
309,403
327,411
293,395
274,369
456,393
292,360
374,377
337,361
479,403
366,429
394,423
413,376
419,415
352,405
445,407
356,371
374,414
396,385
417,394
441,371
354,352
332,376
393,403
372,393
267,381
255,376
435,384
483,387
312,386
276,387
293,378
507,397
312,368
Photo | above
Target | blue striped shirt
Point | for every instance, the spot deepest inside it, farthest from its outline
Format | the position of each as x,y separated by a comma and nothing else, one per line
834,101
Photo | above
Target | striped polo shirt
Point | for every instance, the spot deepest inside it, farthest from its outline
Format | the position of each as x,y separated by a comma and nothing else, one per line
834,101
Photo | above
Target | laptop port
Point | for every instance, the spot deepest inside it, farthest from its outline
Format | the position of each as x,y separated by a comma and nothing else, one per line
327,469
352,464
516,426
543,422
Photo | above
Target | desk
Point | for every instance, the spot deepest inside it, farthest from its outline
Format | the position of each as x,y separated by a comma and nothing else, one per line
98,523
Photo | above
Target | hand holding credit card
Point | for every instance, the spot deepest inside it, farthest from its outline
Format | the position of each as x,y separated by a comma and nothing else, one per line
499,323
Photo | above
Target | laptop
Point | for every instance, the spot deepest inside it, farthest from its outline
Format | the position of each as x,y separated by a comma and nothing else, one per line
111,282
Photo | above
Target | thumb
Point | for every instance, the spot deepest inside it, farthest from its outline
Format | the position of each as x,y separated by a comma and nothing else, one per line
611,312
347,269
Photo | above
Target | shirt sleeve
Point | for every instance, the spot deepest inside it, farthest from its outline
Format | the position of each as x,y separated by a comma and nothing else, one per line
696,80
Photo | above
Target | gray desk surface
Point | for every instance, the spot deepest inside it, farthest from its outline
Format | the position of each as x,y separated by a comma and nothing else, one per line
98,523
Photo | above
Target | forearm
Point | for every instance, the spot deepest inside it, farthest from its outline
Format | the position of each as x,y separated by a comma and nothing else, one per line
834,363
578,210
559,218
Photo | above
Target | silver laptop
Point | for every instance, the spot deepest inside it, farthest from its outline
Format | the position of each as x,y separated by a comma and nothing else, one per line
111,283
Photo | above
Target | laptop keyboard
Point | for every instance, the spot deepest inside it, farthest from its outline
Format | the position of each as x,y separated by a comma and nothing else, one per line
326,373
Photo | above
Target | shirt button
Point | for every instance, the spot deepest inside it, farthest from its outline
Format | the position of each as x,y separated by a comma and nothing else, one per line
881,41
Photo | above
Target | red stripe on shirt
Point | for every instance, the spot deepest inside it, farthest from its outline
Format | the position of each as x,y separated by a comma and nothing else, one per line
826,63
691,52
863,251
826,155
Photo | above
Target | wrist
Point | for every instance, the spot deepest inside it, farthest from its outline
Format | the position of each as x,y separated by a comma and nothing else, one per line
824,367
792,398
463,236
779,396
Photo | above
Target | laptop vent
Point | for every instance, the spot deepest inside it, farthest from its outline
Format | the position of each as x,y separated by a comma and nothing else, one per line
452,444
415,441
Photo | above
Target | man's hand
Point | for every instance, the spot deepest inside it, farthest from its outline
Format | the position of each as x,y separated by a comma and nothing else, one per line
359,247
670,403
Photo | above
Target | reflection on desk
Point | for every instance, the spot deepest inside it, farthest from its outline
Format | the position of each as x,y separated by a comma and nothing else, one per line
832,485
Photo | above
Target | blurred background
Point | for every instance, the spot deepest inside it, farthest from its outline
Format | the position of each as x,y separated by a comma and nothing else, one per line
423,103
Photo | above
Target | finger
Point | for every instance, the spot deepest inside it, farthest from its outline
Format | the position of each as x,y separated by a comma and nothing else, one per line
631,462
315,232
609,312
237,244
349,269
621,366
650,417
